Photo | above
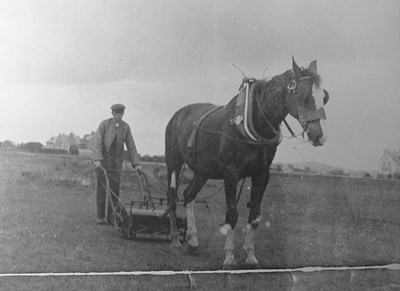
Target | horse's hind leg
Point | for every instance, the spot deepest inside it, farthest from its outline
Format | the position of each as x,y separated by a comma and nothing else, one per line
189,195
173,175
174,162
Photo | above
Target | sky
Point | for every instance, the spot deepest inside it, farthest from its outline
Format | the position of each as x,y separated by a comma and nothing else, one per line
64,63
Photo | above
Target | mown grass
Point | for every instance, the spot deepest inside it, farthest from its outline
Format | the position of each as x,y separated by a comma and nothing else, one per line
47,224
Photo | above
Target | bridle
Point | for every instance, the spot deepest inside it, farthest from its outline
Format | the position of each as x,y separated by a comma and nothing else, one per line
305,115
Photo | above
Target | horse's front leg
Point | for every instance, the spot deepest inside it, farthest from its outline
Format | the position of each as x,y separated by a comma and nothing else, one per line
189,195
259,183
231,216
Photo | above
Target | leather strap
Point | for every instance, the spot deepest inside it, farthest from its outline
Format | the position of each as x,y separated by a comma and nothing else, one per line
192,139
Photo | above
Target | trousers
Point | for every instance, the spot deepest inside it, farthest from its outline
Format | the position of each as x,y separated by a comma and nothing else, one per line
114,177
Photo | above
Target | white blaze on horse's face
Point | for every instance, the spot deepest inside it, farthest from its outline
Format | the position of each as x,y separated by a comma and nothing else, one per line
319,95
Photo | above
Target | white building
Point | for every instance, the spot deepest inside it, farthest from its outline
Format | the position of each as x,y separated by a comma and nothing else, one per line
390,162
63,141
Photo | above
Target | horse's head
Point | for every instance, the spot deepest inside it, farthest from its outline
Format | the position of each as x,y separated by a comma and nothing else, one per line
306,100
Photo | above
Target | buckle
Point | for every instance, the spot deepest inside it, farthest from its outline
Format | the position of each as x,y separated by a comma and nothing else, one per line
238,119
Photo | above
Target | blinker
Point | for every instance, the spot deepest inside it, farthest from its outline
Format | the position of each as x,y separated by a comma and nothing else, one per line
292,86
306,115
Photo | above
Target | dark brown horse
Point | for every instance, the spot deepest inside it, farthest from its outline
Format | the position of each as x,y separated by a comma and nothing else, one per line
222,151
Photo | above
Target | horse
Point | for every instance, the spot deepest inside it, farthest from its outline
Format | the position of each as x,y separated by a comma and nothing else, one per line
222,151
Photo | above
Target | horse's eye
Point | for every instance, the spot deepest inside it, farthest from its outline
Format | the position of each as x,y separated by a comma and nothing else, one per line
326,98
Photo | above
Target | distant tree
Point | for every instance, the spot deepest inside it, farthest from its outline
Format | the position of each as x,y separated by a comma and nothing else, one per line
73,150
146,158
8,144
279,168
367,175
291,167
307,170
159,159
337,172
32,146
53,151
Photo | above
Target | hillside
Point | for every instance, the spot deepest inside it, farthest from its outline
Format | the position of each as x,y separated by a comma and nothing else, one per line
312,166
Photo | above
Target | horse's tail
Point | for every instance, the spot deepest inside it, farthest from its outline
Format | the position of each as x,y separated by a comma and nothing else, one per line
173,155
172,151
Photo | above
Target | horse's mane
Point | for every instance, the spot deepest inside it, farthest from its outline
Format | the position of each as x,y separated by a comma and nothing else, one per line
273,86
316,78
289,75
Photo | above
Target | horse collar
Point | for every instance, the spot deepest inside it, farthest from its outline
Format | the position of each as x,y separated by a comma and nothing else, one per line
243,118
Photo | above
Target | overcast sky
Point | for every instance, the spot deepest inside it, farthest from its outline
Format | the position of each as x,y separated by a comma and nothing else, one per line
64,63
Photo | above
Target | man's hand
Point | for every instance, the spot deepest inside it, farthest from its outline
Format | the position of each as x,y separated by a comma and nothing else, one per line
97,164
137,168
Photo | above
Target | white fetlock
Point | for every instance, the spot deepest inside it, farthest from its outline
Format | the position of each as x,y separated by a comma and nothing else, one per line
249,247
229,261
192,241
224,229
175,243
251,260
191,234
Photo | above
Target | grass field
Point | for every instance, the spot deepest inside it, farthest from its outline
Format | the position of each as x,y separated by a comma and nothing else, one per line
47,224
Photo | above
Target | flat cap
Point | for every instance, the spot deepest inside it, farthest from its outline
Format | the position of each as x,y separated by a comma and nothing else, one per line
118,108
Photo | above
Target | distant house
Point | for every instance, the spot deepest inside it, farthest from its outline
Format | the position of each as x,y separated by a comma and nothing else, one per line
87,141
63,142
51,143
390,162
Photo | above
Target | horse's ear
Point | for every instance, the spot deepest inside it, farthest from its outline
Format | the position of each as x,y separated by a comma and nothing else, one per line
313,66
296,69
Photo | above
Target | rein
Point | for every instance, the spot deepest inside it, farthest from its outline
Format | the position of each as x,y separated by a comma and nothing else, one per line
250,142
305,115
291,89
284,121
147,200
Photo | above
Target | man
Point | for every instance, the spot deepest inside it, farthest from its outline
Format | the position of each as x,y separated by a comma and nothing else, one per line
108,153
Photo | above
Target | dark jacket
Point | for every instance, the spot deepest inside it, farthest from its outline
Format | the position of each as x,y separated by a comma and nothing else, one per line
104,138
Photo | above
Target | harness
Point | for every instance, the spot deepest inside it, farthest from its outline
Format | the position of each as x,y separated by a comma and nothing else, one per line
243,118
192,138
305,115
244,108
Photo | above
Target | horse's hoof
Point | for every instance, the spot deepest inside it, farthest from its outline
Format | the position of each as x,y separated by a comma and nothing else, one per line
229,266
252,266
229,262
191,251
175,247
193,243
252,262
176,244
